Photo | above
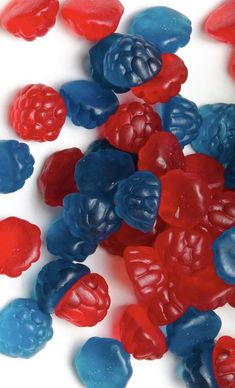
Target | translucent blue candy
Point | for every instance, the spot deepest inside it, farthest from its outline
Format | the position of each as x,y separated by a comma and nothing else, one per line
182,118
61,243
24,328
224,256
164,27
99,172
217,133
90,216
137,200
88,104
191,330
229,175
131,61
96,58
103,363
54,280
16,165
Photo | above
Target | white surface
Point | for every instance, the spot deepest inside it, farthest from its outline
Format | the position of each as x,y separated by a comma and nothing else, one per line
52,60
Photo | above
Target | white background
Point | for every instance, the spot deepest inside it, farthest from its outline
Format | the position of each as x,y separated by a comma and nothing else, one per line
54,59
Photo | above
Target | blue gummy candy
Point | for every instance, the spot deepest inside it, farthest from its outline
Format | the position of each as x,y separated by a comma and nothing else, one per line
103,363
181,117
224,256
60,242
24,328
137,200
54,280
16,165
216,136
90,216
88,104
96,57
164,27
191,330
97,145
229,175
131,61
99,172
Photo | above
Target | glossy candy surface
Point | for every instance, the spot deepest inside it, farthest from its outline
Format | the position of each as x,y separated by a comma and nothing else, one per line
229,175
24,328
88,104
16,165
166,84
220,24
29,19
92,20
103,363
224,256
224,362
164,27
131,61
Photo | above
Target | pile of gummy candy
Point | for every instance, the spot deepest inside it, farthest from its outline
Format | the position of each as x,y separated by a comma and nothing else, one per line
134,192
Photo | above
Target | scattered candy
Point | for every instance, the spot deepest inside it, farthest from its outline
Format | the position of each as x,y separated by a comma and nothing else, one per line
220,24
224,256
223,362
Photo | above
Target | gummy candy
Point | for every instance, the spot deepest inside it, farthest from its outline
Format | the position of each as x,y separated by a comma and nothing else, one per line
16,165
139,336
181,117
224,362
131,125
229,175
98,145
220,24
29,19
160,154
131,61
88,104
56,179
103,363
192,329
166,84
61,243
54,280
217,132
137,200
92,20
224,256
20,244
164,27
24,329
38,113
231,67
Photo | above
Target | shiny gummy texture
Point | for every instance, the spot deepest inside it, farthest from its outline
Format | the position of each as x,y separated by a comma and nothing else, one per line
229,175
224,256
224,362
220,24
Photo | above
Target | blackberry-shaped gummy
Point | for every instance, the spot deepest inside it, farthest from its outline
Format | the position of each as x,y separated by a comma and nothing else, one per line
229,175
24,328
131,61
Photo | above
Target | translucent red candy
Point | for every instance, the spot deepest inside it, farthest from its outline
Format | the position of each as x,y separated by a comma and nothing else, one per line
139,336
185,199
224,362
86,303
94,20
220,24
57,176
160,154
131,125
20,244
166,84
211,171
29,19
231,66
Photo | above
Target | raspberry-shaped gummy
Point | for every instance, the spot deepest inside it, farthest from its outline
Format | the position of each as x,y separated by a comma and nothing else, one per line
131,61
38,113
137,200
131,125
29,19
224,256
24,328
220,24
224,362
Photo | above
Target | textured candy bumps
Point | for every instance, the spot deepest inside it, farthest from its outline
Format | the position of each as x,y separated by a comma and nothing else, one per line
224,256
220,24
224,362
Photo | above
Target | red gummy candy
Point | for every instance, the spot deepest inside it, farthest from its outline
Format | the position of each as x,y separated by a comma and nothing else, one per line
220,24
20,244
211,171
165,84
37,113
139,336
185,199
160,154
29,19
92,19
231,66
131,125
57,176
224,362
86,303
